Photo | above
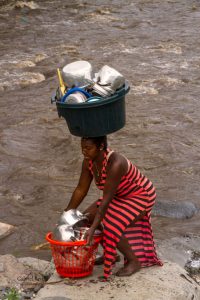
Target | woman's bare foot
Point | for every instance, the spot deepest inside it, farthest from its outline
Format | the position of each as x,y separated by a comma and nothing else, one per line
129,269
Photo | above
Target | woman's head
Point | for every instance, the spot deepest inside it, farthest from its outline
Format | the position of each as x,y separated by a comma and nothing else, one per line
92,146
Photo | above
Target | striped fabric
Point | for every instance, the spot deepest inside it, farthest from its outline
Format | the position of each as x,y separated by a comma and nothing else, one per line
134,194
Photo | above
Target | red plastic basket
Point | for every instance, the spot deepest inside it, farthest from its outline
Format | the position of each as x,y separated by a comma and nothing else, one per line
73,259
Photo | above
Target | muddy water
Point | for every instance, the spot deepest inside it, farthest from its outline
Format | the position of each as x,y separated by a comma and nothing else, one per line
155,45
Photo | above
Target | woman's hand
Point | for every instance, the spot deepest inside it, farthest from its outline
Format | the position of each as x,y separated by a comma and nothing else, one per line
89,235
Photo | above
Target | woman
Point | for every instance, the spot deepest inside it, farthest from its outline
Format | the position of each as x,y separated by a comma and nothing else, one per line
124,208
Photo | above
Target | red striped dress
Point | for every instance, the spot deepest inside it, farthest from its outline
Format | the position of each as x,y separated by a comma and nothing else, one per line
135,193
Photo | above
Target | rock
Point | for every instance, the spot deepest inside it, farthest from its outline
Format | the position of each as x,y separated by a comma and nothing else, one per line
15,275
193,264
178,210
12,270
169,282
34,263
178,249
5,229
44,267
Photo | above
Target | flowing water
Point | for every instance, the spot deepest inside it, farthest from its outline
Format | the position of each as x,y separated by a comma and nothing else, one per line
155,45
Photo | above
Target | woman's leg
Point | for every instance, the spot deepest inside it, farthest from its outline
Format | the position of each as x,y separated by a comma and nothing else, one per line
133,264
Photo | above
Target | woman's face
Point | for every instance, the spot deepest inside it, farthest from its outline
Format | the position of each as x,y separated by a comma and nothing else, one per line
89,149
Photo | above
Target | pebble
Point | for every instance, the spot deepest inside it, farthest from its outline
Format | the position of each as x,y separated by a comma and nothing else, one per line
5,229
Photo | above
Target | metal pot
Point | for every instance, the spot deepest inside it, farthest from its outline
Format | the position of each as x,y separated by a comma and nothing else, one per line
72,217
110,77
64,233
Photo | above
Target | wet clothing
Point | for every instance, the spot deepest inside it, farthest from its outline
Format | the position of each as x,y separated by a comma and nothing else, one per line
135,193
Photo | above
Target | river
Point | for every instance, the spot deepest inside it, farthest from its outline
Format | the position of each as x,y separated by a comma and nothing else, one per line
155,45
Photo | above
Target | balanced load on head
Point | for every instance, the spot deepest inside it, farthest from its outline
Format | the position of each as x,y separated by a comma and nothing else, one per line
91,105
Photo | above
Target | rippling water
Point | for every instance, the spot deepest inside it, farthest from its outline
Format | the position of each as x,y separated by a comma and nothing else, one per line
155,45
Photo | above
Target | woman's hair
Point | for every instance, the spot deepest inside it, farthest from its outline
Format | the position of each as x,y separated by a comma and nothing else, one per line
98,141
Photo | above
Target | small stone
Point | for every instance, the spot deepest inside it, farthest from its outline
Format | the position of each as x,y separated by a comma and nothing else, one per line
5,229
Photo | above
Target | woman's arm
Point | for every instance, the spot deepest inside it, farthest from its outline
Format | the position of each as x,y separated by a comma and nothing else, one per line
116,168
82,188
